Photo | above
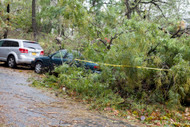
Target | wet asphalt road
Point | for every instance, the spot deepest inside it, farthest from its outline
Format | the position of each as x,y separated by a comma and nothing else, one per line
25,106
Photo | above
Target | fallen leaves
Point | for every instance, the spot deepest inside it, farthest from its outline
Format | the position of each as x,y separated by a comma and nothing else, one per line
112,111
156,117
187,114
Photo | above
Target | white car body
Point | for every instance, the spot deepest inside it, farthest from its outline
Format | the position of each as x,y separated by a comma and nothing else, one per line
21,51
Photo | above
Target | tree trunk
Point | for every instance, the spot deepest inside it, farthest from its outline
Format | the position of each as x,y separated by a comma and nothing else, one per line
5,35
34,26
128,9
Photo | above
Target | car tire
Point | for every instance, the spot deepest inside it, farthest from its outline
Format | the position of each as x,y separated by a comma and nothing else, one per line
38,68
11,62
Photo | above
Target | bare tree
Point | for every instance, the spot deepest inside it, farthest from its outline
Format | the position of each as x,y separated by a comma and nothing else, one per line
6,29
34,25
133,6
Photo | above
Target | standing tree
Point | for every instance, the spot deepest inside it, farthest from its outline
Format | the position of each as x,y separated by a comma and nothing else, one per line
34,26
6,29
160,8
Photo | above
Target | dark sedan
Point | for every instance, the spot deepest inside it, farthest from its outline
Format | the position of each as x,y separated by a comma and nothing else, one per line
47,63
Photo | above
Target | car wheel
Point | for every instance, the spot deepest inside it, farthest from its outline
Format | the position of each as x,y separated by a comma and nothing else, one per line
39,68
11,62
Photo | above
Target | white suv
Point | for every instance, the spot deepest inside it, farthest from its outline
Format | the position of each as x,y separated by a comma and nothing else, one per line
15,51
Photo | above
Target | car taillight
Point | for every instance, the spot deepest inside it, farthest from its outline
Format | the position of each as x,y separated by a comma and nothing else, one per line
42,53
23,50
96,67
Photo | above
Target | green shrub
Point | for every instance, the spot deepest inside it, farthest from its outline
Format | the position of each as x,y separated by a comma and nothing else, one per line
145,46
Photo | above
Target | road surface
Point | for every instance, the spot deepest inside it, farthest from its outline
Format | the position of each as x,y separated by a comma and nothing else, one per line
25,106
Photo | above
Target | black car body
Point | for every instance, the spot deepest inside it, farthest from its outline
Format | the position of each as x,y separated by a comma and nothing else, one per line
47,63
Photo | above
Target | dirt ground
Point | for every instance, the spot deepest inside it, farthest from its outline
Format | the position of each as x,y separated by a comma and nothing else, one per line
25,106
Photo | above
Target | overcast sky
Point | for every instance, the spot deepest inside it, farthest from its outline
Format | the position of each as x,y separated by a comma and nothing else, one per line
187,8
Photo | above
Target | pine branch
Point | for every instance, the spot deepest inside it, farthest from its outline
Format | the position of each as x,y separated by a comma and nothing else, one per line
176,33
153,49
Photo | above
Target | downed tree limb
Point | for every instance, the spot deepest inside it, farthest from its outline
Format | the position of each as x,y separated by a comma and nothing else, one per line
153,49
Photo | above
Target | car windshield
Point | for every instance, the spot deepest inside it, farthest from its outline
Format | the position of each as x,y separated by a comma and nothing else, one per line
69,56
32,45
76,54
1,42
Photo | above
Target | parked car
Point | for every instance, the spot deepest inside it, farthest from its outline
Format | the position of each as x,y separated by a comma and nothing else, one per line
15,51
47,63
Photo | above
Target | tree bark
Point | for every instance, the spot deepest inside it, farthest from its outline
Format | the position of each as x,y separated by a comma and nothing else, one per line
34,26
128,9
5,35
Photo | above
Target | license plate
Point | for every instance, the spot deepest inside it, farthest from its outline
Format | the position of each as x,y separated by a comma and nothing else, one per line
33,53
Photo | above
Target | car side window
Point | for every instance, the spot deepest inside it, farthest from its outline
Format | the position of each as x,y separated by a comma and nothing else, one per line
6,44
14,44
57,55
60,54
10,44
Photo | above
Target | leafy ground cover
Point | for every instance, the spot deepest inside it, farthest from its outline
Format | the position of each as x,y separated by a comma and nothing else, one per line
106,101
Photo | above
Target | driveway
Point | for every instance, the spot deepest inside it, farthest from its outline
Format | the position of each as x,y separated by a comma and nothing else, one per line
22,105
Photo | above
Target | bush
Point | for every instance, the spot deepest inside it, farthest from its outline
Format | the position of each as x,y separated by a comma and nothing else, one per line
145,46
